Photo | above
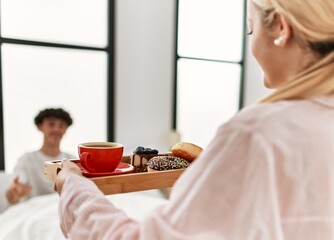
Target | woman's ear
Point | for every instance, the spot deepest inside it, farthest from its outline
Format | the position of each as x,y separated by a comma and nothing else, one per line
283,30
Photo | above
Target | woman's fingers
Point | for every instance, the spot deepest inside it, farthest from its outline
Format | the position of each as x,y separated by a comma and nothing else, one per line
71,167
68,167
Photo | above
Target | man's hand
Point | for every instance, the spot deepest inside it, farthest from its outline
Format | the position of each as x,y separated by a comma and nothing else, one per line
68,167
17,191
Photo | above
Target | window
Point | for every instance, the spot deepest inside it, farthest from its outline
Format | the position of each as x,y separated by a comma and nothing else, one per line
209,63
56,54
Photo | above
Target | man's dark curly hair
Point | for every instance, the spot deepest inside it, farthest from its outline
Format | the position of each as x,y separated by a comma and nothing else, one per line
58,113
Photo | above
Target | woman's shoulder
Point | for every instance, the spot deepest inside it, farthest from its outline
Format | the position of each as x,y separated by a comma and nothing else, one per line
261,111
266,114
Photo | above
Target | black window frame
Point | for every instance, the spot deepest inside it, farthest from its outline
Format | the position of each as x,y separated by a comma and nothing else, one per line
177,57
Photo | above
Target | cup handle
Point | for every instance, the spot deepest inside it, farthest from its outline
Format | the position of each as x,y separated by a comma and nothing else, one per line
85,158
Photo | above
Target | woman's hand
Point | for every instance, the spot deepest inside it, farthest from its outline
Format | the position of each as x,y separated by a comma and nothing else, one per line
17,191
68,167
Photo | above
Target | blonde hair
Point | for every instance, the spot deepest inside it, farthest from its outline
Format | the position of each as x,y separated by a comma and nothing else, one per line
313,27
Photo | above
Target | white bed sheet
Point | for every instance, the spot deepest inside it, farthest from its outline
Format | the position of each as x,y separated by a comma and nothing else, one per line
37,218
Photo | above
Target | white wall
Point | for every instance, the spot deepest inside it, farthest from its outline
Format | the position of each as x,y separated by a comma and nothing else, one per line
144,73
254,88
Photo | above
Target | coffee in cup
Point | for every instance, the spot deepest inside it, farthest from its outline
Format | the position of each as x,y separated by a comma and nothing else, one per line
100,156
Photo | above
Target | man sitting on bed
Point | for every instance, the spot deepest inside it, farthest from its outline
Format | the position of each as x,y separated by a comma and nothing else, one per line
29,178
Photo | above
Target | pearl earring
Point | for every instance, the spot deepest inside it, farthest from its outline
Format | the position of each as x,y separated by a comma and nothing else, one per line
278,41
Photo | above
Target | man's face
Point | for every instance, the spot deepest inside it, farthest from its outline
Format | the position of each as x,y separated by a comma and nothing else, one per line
53,130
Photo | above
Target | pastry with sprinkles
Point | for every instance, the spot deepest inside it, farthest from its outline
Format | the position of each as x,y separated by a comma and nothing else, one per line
162,163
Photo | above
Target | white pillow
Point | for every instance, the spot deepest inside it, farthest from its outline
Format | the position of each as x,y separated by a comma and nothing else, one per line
5,181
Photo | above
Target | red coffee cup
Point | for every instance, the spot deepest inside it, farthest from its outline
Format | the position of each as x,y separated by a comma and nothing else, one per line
100,156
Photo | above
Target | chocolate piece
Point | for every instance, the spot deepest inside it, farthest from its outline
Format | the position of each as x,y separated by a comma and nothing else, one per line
139,161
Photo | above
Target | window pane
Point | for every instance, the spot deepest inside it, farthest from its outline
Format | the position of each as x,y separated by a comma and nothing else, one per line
35,78
211,29
80,22
208,95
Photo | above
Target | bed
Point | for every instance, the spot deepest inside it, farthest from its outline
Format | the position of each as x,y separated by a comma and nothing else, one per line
37,218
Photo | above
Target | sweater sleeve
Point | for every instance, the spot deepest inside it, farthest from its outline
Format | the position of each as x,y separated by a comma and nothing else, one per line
87,214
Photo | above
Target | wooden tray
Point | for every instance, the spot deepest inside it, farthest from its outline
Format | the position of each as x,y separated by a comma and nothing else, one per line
129,182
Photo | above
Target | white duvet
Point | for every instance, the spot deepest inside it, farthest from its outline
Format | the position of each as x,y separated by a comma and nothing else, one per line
37,218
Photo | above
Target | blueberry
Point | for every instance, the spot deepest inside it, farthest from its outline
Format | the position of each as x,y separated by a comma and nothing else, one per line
147,150
139,150
142,150
154,151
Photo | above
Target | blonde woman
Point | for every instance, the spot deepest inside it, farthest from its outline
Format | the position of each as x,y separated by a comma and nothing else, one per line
269,172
